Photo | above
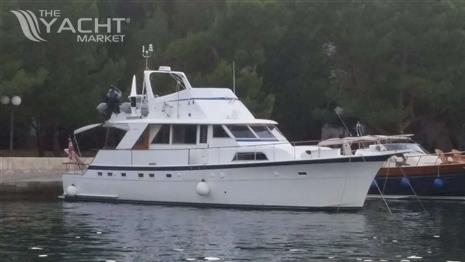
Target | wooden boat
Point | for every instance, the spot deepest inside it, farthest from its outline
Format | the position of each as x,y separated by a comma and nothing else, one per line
416,173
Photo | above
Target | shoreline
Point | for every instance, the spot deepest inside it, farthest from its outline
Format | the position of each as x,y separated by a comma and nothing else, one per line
32,177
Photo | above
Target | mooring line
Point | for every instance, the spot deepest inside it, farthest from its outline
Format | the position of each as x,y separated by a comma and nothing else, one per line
413,190
382,197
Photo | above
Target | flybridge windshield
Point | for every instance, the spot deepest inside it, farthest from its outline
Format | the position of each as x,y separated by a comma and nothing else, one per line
252,133
165,83
405,146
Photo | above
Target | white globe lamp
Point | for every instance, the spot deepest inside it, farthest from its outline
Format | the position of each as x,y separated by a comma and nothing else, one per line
16,100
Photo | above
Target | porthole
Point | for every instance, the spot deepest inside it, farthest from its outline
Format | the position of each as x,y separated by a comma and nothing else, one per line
151,175
141,175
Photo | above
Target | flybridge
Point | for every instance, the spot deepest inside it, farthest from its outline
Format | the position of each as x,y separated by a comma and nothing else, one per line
86,29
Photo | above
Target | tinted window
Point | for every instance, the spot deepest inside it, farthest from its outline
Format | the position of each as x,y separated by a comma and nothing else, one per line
405,146
163,84
241,131
184,134
218,131
163,135
203,134
250,156
271,128
262,132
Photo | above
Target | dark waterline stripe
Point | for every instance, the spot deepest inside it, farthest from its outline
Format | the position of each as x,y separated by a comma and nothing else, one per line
379,158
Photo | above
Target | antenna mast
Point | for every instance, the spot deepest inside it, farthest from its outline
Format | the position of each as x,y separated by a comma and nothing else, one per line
339,111
147,53
234,76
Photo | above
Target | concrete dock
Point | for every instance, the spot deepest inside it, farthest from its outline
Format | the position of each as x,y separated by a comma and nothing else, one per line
32,177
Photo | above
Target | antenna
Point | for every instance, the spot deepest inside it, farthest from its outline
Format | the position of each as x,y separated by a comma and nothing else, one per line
234,76
339,111
359,128
147,53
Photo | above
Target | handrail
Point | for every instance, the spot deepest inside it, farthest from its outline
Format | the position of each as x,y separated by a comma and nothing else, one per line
304,141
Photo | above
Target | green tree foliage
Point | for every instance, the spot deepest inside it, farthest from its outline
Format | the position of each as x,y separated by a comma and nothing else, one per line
61,80
400,62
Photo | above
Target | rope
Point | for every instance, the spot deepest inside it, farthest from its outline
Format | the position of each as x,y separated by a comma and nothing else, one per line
383,198
387,175
413,190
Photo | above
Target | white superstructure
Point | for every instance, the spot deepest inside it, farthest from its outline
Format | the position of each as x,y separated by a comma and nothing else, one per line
202,146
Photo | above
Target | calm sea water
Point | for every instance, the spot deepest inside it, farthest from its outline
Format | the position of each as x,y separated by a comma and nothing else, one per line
63,231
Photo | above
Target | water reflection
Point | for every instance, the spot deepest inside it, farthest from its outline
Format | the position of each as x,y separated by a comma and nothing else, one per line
63,231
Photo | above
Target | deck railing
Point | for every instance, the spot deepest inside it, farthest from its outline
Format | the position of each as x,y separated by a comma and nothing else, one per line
278,150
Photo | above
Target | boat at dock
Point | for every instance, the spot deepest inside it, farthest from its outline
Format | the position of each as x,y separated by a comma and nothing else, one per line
203,147
416,174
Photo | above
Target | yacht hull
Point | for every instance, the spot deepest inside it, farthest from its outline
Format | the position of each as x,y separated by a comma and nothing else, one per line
320,184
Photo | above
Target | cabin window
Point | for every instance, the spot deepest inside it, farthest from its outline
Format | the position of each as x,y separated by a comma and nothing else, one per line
184,134
151,175
163,135
203,134
241,131
273,127
263,132
123,174
141,175
245,156
219,132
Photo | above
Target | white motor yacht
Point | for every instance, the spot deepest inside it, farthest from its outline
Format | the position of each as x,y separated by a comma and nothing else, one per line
202,146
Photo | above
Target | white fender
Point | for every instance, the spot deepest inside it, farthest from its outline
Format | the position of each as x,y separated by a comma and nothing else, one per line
202,188
71,190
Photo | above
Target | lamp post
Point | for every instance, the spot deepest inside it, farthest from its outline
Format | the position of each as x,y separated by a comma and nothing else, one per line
14,101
